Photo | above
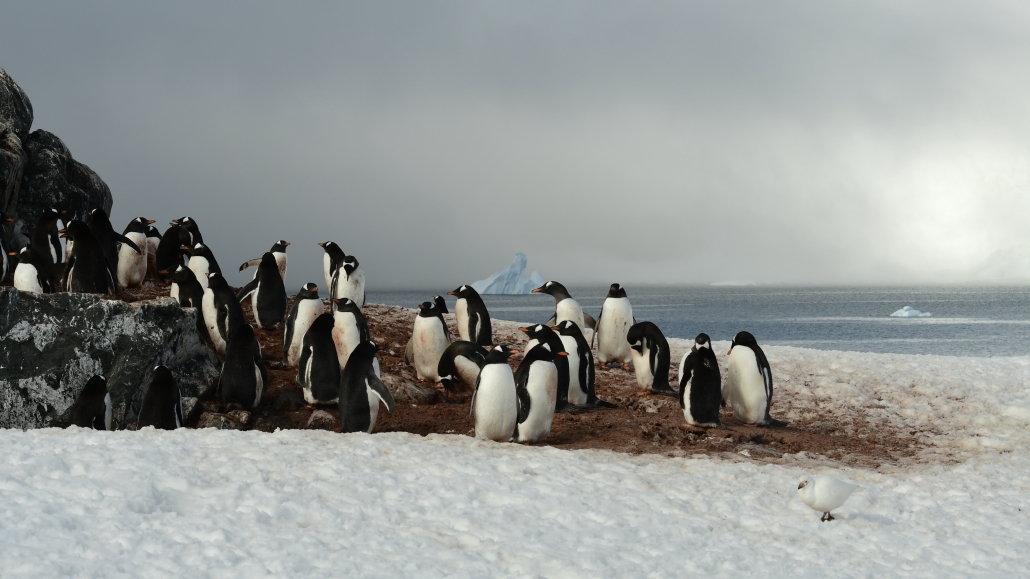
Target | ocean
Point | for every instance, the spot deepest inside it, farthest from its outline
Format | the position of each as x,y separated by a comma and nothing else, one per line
964,321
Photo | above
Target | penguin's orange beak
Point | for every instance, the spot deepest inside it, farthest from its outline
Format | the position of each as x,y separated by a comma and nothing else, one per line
556,328
184,247
207,275
337,300
64,233
524,330
451,294
9,220
151,222
537,290
566,354
322,245
513,351
287,244
163,272
730,352
64,212
12,253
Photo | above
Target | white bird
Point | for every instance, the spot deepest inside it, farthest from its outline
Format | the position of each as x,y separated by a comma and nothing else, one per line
824,493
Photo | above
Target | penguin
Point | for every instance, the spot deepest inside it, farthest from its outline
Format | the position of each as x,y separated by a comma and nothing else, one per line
612,325
306,307
202,262
349,281
278,251
651,357
332,260
749,382
222,312
349,328
87,270
581,366
472,316
5,245
132,266
441,304
169,249
190,225
536,388
173,289
189,293
244,376
32,274
153,242
162,402
318,369
45,238
268,294
459,367
565,308
700,384
429,338
92,409
546,335
100,225
361,391
495,402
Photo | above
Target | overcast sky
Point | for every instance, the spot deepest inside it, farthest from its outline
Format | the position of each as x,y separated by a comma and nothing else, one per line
780,142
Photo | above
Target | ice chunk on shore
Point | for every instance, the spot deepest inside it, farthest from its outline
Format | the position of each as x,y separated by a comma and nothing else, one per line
910,312
511,281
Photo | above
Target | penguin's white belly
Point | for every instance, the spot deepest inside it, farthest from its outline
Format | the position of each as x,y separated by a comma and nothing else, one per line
254,306
26,278
745,386
345,335
280,260
687,415
530,345
468,370
211,321
307,312
577,394
683,363
352,288
616,318
642,367
67,251
543,392
461,315
174,290
373,406
428,344
132,267
569,309
496,404
200,267
327,262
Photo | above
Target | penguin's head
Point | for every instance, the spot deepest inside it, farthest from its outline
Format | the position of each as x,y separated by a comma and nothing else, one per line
280,246
350,263
153,232
702,341
98,215
743,339
567,328
345,305
427,309
616,291
309,291
546,288
463,291
499,354
535,332
365,350
73,229
441,305
53,213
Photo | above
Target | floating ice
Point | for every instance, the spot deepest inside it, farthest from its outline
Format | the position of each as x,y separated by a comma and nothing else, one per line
511,281
910,312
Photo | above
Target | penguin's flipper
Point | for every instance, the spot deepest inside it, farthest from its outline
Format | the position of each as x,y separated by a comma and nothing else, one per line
524,403
250,263
247,290
67,273
589,321
305,359
223,330
599,316
126,241
409,353
551,320
379,388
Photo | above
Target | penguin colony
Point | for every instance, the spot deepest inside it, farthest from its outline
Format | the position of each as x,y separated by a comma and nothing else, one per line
335,356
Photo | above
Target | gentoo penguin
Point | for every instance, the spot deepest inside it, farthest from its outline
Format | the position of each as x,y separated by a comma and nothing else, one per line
244,376
349,281
581,366
332,260
153,242
173,289
189,293
749,382
32,274
495,403
651,357
5,245
700,384
565,308
202,262
429,338
441,304
318,370
542,334
306,307
87,270
459,367
169,250
473,319
536,386
190,225
92,409
361,390
162,402
100,225
349,328
268,294
132,266
278,251
612,326
222,312
45,240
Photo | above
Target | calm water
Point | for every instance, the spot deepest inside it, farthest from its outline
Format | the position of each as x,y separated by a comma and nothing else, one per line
966,321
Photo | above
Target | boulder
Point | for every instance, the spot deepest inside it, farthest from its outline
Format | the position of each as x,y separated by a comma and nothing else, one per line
15,107
50,345
321,420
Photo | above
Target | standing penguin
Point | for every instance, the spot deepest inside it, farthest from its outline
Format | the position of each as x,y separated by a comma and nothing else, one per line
189,293
32,274
92,409
162,402
536,385
45,240
100,225
565,308
349,281
87,270
546,335
361,390
459,367
222,312
244,376
612,326
429,338
473,319
307,306
651,357
318,370
349,328
153,243
169,250
202,262
190,224
581,366
268,294
331,261
278,251
441,304
749,382
495,402
132,266
700,384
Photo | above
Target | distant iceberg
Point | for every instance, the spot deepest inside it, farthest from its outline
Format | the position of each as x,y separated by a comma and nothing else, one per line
511,281
910,312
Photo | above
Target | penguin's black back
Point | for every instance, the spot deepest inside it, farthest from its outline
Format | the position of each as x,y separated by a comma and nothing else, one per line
271,302
169,249
44,238
586,358
90,408
88,266
240,370
355,413
548,336
100,225
319,353
448,367
702,369
659,349
228,310
162,403
191,293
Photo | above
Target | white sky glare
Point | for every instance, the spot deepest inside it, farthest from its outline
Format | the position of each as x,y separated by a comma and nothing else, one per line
792,142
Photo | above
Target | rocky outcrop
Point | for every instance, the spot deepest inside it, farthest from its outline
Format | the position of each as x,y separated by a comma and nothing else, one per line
15,107
50,345
12,166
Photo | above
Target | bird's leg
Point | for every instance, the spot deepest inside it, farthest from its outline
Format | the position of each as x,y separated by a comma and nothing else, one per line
823,518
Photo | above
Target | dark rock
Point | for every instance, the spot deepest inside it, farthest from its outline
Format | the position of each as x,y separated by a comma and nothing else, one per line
12,166
402,389
321,420
15,107
289,401
211,406
240,417
50,345
213,420
190,409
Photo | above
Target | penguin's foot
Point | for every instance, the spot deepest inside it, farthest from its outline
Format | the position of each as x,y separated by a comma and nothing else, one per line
773,423
626,368
664,392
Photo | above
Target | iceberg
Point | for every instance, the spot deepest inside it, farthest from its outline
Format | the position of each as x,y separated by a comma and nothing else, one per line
910,312
511,281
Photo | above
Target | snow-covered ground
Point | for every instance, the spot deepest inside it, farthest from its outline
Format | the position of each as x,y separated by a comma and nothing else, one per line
208,503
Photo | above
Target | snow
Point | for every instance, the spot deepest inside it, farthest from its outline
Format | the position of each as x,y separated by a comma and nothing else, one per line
910,312
511,281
